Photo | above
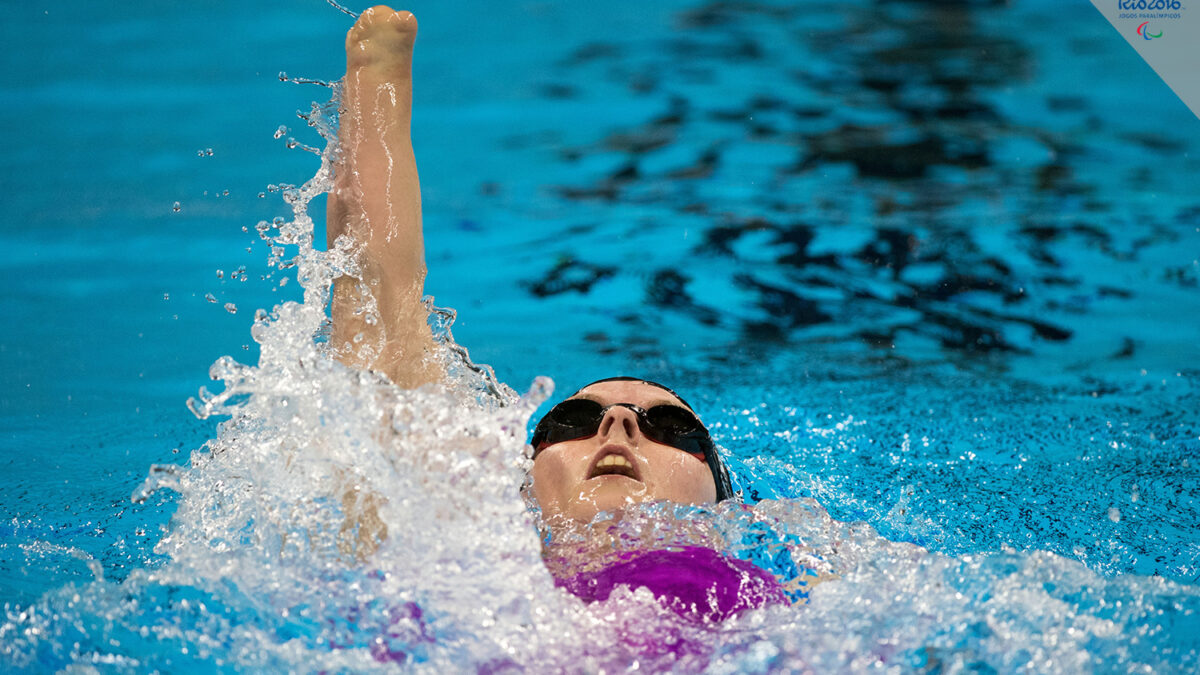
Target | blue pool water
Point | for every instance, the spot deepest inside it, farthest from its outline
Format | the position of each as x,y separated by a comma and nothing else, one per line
929,272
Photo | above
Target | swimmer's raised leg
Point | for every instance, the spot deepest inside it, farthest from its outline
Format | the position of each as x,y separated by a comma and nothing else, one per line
376,199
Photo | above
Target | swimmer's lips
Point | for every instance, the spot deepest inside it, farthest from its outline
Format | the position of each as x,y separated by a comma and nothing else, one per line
614,462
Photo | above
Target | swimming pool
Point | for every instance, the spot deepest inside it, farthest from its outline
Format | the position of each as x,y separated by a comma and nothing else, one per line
932,268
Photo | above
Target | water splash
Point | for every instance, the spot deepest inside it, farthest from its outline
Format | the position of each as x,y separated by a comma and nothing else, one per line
341,9
337,523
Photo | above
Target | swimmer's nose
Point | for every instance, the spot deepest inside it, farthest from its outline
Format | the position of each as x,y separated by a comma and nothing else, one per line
619,421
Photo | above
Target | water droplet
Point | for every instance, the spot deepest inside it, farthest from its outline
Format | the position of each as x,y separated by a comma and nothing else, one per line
175,207
210,297
206,152
166,296
231,308
220,274
282,130
1114,514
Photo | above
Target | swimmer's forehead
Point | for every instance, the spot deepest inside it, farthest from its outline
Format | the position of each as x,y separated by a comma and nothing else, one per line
638,393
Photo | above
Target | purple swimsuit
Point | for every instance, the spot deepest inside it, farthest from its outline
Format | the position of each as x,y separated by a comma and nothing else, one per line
693,581
697,583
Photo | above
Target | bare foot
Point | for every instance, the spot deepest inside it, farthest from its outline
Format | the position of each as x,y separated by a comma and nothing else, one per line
376,200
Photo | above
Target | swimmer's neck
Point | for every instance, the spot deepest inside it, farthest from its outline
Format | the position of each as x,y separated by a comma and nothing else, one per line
573,547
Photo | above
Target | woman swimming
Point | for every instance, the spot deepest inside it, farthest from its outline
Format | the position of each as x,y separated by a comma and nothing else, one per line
614,443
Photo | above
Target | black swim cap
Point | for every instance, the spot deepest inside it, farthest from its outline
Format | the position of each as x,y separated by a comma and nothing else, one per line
719,472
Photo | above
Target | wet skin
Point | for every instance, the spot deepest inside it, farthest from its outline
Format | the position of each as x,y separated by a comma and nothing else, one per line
564,480
376,200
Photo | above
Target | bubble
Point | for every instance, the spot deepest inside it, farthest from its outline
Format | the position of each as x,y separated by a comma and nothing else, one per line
231,308
175,207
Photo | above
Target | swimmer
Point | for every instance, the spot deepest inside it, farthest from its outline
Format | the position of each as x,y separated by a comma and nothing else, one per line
376,200
613,443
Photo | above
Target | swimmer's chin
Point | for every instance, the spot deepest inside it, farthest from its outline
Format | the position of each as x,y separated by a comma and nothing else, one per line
612,495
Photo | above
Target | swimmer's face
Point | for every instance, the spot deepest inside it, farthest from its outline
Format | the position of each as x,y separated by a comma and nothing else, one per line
570,482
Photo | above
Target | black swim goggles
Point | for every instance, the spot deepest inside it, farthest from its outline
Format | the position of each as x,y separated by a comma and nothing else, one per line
577,418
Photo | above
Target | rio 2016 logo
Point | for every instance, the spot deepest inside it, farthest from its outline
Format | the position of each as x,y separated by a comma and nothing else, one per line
1151,5
1145,32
